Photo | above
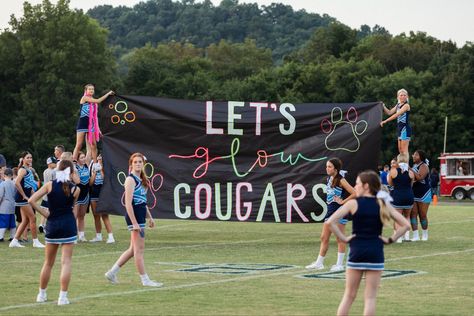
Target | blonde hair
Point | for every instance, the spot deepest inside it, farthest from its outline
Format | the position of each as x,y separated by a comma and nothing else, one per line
373,180
402,91
402,158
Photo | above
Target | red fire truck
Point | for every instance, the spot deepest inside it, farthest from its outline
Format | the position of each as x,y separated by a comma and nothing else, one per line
457,176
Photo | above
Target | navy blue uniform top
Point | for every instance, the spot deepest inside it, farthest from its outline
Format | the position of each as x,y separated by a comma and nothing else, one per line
402,181
139,192
59,203
366,223
422,185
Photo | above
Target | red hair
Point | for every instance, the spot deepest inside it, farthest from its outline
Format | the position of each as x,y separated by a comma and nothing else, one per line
142,173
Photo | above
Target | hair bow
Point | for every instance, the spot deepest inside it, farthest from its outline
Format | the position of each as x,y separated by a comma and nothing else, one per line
63,175
385,196
343,173
403,166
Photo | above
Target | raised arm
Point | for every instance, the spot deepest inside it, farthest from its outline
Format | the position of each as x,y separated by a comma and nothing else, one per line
389,111
89,99
404,108
422,172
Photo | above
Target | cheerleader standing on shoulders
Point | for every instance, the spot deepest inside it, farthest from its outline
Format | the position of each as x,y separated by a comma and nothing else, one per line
400,112
88,123
371,210
401,178
26,185
136,186
335,187
83,201
422,192
96,181
60,228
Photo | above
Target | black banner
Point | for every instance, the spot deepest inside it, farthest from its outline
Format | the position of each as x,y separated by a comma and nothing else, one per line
246,161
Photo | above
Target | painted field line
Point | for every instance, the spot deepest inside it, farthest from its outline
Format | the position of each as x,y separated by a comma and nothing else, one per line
210,244
431,255
453,222
174,287
189,285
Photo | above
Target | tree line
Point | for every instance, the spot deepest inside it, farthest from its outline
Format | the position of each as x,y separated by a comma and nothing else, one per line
215,52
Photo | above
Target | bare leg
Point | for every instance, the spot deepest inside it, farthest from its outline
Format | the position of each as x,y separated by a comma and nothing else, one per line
27,217
404,146
372,283
66,262
79,141
341,247
353,278
414,217
107,223
423,214
138,250
80,216
97,223
49,258
125,256
325,235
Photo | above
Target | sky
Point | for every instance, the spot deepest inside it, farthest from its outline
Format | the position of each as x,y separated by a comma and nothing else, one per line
443,19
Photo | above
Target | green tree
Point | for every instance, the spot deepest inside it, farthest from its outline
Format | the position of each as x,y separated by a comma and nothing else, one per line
59,51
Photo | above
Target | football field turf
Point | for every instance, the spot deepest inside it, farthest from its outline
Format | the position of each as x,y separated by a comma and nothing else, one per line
231,268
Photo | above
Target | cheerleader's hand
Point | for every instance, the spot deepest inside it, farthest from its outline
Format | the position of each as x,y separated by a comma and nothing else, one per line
349,238
338,200
136,227
151,223
386,241
382,123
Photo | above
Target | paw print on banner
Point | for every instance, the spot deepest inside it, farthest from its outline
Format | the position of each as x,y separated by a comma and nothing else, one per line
121,107
337,124
155,181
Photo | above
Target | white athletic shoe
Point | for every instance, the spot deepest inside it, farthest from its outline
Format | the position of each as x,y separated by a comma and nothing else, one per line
399,240
82,239
110,240
336,268
41,298
415,238
112,277
407,236
152,283
38,244
15,244
315,266
63,301
96,239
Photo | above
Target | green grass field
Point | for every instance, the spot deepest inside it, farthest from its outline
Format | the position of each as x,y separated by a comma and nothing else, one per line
246,269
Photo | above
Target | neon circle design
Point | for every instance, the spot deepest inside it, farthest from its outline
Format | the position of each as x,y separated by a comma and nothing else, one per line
152,171
352,109
121,177
124,109
111,106
328,125
122,122
115,117
153,182
131,119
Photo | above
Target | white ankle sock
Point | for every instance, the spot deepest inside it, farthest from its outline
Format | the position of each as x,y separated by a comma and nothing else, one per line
320,259
98,235
111,235
42,292
340,258
144,277
62,294
115,268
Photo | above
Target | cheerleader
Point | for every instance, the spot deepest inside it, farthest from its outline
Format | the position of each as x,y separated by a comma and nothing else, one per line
401,178
60,228
95,182
88,123
422,193
136,186
335,186
400,112
26,185
371,210
83,201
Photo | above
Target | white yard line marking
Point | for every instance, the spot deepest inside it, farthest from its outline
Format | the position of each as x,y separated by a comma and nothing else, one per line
189,285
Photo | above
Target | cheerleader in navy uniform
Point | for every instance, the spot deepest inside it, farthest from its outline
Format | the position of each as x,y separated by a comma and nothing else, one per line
95,182
60,228
401,112
401,179
88,124
136,186
83,201
422,192
370,212
334,192
26,185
